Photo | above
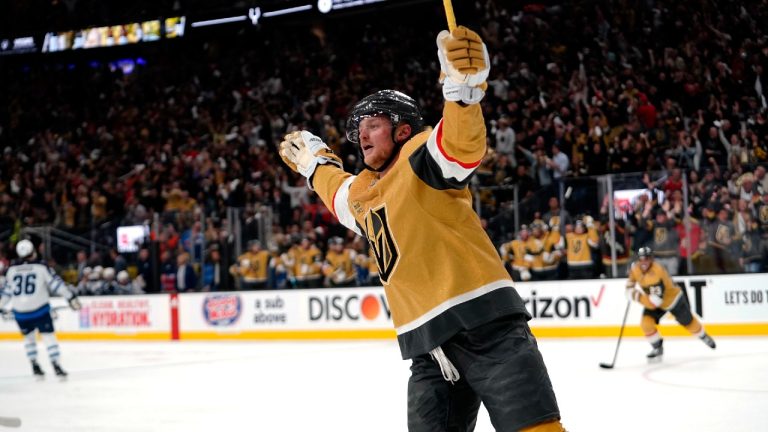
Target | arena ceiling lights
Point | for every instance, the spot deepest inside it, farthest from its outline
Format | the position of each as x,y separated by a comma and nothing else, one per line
255,14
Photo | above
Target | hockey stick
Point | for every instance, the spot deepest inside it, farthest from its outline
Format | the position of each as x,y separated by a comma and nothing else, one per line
618,343
55,311
12,422
449,15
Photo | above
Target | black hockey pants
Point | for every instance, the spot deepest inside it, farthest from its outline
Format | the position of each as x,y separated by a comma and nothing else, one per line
500,366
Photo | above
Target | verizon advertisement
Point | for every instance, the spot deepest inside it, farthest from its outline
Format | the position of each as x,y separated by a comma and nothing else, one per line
728,299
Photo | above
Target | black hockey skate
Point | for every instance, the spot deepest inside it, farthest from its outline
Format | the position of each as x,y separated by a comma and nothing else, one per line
37,371
707,339
61,373
657,352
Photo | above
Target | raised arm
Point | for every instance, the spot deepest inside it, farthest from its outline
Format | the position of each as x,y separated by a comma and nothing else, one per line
456,146
460,137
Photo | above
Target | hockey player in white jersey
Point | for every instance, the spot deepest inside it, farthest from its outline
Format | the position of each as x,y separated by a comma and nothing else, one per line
28,287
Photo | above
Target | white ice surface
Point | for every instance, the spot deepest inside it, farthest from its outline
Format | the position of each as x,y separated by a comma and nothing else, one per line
361,386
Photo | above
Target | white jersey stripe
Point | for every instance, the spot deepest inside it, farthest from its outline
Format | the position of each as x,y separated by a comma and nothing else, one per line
56,285
444,306
341,206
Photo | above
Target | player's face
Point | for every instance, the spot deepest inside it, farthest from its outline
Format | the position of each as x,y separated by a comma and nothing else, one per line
645,263
376,140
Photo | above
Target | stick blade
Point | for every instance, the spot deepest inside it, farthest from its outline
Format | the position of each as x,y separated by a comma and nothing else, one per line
606,366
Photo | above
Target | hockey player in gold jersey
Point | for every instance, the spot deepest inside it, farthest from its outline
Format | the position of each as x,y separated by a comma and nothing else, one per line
542,253
339,265
456,312
659,295
305,263
513,254
579,245
252,267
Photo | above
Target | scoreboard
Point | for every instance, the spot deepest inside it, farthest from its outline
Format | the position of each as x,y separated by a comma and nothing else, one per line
176,26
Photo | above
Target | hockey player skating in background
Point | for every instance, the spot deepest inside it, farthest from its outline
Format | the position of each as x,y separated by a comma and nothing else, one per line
457,315
29,285
659,295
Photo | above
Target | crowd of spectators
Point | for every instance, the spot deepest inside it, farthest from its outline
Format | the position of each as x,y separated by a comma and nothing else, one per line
672,89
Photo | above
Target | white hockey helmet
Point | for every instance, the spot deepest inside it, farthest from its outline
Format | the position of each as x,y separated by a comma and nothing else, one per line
24,248
96,273
123,276
108,273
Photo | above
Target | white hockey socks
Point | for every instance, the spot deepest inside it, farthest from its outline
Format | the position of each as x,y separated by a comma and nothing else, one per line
53,346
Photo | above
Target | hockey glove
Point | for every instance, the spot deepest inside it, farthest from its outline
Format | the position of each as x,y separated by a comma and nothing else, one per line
303,152
632,294
464,65
528,258
547,257
525,275
74,303
655,300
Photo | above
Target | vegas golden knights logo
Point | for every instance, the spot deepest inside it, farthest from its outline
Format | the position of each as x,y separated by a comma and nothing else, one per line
660,235
764,214
381,241
723,234
577,246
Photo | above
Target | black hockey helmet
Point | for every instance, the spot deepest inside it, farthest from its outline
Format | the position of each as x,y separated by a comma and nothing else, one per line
645,252
398,106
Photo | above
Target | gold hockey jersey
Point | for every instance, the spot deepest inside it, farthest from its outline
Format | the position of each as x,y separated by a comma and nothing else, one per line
305,263
578,249
340,267
514,253
440,271
252,267
539,253
655,281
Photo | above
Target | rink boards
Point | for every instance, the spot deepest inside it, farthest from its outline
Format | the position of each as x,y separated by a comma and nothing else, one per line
728,305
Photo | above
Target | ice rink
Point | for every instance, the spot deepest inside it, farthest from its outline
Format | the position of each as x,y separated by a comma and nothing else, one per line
361,386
